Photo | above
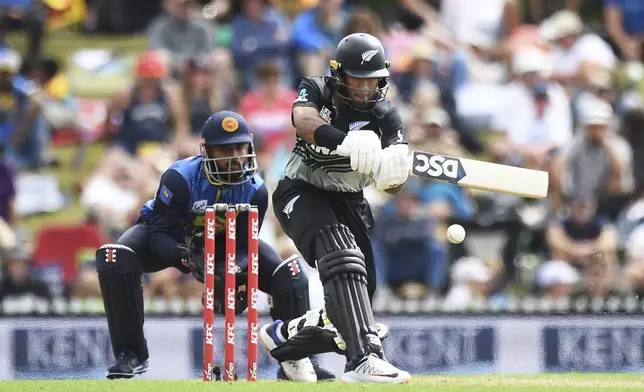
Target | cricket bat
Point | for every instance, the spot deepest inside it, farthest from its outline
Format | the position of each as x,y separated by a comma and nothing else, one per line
485,176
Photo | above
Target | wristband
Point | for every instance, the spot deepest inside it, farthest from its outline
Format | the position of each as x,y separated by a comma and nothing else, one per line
328,136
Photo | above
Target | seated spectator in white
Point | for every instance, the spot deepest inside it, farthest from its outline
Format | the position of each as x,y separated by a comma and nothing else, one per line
557,279
597,163
576,54
150,113
180,35
315,35
114,198
259,35
16,283
534,119
472,280
23,129
494,20
587,241
598,86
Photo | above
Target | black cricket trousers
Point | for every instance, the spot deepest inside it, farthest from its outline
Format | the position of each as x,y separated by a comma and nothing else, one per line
302,218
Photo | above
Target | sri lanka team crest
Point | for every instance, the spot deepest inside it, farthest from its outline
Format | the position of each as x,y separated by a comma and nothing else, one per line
229,124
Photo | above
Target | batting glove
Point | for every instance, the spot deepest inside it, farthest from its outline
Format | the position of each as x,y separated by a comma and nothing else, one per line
364,149
394,166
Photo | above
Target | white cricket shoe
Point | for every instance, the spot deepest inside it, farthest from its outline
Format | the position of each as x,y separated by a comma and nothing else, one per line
300,370
372,369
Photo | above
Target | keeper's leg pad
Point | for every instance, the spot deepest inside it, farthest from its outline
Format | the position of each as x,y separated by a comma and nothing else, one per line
119,273
289,296
343,273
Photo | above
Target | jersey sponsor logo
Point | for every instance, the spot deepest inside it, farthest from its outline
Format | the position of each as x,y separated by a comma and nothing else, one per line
368,55
325,113
302,96
199,206
288,209
357,125
437,167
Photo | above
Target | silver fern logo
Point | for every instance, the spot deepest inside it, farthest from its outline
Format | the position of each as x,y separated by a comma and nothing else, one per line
288,209
368,55
357,125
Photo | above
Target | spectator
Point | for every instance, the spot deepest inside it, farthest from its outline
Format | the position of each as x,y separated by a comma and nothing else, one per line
542,9
535,117
597,163
557,279
411,259
364,21
24,15
16,282
471,281
577,55
267,107
625,25
22,125
259,34
59,107
587,241
7,193
632,129
203,98
493,20
632,279
316,34
181,37
150,112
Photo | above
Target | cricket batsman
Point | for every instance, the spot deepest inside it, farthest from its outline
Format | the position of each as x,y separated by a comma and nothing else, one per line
169,233
349,136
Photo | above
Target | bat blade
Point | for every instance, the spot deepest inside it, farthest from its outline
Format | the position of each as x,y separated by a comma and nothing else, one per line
481,175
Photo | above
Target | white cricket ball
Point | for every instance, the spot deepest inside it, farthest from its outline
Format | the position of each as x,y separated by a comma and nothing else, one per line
455,234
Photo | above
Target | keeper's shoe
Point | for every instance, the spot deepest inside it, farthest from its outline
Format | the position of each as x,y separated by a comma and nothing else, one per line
127,365
301,370
373,369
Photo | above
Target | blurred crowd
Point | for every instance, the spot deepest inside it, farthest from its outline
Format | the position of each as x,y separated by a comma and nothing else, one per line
550,85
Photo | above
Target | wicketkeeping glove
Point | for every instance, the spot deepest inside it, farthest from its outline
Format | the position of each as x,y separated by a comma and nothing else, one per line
192,256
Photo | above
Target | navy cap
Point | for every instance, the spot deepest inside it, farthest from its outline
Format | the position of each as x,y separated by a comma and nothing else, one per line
224,128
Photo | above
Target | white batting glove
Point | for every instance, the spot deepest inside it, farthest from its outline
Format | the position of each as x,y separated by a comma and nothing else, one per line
394,167
364,149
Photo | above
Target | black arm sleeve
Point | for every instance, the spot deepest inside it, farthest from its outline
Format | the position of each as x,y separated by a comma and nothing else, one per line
171,206
392,128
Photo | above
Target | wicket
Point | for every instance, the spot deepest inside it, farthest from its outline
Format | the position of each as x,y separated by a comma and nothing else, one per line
230,290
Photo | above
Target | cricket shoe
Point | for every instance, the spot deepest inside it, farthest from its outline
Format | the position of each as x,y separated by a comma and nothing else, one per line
373,369
127,365
300,370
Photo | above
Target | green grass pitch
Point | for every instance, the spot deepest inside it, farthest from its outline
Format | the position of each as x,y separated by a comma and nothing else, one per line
539,383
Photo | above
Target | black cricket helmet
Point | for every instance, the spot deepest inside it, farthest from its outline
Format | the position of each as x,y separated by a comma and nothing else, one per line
360,56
